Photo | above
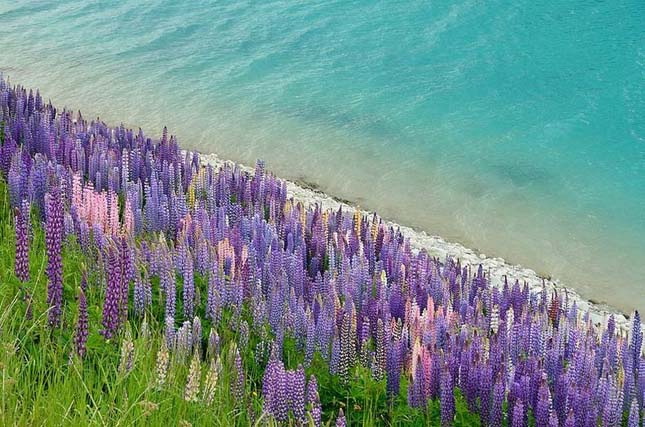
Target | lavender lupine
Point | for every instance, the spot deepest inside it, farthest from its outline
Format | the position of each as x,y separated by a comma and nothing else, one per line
632,420
447,399
518,415
22,225
189,287
213,344
139,296
112,301
239,380
297,393
340,420
54,239
636,343
496,413
313,401
543,410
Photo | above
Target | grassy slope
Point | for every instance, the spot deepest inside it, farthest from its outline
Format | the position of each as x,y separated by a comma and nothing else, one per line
43,385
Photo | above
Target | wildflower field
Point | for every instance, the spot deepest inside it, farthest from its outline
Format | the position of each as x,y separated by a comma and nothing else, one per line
139,286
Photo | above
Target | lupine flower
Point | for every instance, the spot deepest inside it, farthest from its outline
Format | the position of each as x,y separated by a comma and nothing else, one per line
145,329
632,421
636,343
347,347
22,224
127,353
380,359
297,393
192,384
210,382
447,399
111,305
340,420
313,401
184,341
213,344
518,415
53,239
274,389
82,325
496,413
139,296
244,334
542,412
197,334
170,331
238,384
189,288
163,357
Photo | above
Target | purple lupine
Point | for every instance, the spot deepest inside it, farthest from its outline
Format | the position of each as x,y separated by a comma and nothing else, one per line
171,294
277,383
213,344
22,224
340,420
82,325
54,240
542,411
497,408
111,311
447,398
313,401
189,287
518,414
127,272
394,369
139,296
238,384
632,420
297,393
636,338
416,389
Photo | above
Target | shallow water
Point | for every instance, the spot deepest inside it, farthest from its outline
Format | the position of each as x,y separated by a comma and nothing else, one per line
517,129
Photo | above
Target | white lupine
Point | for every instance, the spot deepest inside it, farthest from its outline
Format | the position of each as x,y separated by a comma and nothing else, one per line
210,382
162,364
192,383
494,319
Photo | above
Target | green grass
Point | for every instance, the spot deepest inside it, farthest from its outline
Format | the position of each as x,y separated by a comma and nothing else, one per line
43,383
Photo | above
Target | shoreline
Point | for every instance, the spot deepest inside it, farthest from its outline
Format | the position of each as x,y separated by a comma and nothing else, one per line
496,268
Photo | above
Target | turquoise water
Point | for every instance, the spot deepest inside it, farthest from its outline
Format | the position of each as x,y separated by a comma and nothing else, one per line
516,128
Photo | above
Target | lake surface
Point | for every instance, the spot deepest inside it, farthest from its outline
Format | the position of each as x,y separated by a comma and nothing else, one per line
516,128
